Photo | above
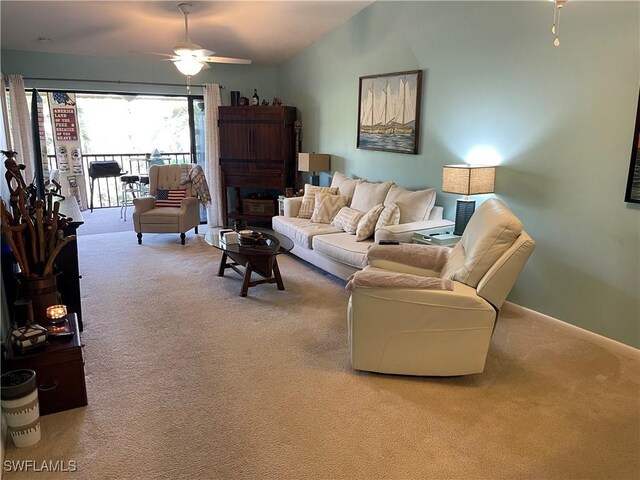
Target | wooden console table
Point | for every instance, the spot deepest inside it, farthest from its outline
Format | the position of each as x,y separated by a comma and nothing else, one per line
59,371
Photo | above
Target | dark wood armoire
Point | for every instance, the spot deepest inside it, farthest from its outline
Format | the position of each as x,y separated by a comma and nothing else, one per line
257,152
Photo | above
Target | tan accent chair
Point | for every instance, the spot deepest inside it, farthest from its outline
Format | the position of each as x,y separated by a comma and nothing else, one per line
149,219
442,332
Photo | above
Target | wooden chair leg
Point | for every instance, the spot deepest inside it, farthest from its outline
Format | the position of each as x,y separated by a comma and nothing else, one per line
139,239
182,237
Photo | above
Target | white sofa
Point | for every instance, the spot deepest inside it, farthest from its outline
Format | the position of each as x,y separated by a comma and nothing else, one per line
337,252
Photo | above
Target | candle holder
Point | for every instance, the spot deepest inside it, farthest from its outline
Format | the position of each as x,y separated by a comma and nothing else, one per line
60,329
56,314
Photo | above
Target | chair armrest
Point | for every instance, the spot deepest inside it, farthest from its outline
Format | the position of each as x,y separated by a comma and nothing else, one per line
411,258
461,297
292,206
144,204
379,278
404,231
186,203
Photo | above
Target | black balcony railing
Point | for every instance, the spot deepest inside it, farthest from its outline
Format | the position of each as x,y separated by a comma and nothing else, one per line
107,192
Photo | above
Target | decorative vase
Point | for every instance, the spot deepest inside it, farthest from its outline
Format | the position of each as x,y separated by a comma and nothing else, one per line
19,393
43,292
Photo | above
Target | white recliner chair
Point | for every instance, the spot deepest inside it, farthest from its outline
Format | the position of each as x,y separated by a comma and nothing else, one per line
442,328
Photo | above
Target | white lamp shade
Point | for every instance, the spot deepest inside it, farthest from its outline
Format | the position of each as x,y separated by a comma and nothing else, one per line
468,179
188,66
314,162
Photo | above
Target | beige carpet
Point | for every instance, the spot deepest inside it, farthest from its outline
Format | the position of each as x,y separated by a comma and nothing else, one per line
186,380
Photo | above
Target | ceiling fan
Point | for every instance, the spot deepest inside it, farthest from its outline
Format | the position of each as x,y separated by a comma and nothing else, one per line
189,58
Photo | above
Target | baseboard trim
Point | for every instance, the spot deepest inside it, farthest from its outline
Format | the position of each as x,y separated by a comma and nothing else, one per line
591,336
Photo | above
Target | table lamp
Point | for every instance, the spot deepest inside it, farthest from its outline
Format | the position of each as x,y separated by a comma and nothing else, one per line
467,180
312,163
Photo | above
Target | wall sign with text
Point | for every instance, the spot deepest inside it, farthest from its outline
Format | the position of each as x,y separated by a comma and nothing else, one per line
66,140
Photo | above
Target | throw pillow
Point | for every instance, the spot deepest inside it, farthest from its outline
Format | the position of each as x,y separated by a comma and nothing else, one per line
368,195
367,224
389,216
347,219
345,185
327,206
415,206
169,198
309,199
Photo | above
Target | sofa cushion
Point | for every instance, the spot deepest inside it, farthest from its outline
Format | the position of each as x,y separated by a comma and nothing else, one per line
367,224
343,248
345,185
327,206
390,215
367,195
301,230
309,199
347,219
491,231
415,206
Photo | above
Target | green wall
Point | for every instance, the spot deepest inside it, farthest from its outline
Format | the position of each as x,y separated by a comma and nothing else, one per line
119,70
561,118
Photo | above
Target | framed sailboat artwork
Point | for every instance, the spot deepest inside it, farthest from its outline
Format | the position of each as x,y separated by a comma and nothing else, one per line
389,112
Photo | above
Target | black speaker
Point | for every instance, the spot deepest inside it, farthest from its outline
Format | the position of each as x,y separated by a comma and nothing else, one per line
464,210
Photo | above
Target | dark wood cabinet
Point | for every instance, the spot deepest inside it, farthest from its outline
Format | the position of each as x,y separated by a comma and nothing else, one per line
59,371
257,151
69,277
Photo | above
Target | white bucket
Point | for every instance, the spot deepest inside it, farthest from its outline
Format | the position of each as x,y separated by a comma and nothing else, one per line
20,406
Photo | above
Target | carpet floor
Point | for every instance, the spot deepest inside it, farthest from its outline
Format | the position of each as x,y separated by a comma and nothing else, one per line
187,380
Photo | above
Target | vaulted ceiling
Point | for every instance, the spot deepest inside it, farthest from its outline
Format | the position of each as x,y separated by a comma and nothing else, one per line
267,32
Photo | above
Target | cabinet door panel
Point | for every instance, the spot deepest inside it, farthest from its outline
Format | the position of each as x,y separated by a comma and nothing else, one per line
267,141
234,140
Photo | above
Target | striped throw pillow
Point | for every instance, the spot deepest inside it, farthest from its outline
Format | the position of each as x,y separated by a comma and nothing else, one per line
347,219
367,224
309,199
389,216
327,206
169,198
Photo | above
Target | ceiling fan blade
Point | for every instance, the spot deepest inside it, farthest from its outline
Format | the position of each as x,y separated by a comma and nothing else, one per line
151,54
237,61
203,52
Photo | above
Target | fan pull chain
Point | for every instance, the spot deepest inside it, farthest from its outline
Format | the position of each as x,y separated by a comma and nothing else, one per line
555,28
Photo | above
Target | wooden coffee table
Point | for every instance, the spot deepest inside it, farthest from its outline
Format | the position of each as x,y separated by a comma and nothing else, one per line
260,259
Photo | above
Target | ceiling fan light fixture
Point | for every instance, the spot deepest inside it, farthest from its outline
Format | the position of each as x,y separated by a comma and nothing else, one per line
186,48
188,66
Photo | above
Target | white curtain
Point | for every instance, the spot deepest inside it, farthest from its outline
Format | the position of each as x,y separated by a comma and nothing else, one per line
215,215
5,141
21,140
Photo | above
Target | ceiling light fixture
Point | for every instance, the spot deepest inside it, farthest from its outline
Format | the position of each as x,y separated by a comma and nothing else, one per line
188,65
555,28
